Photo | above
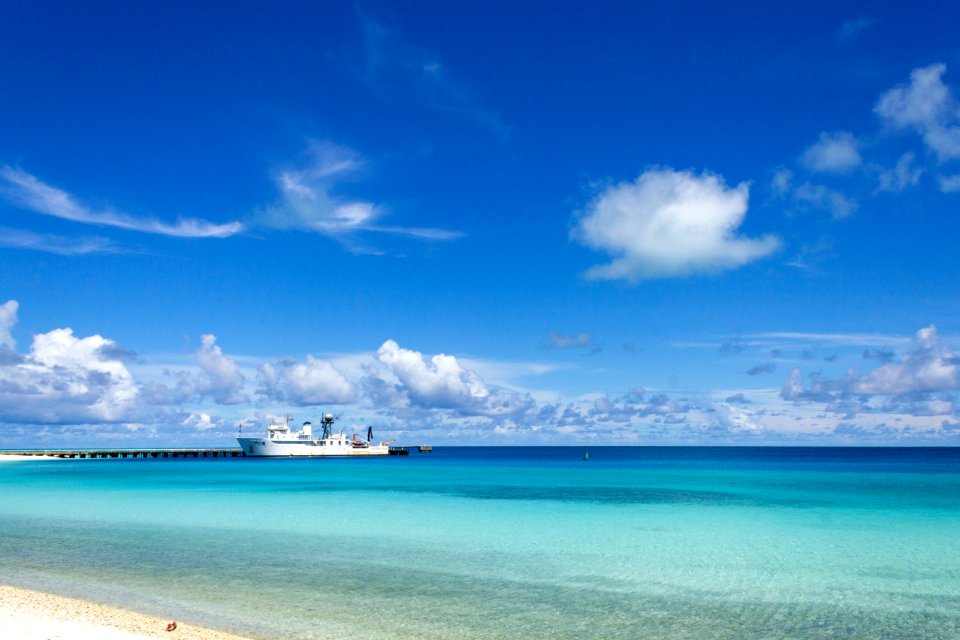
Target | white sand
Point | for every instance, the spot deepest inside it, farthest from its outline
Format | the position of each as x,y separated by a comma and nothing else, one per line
10,457
32,615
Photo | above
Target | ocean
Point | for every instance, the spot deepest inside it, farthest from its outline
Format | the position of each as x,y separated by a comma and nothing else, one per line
505,542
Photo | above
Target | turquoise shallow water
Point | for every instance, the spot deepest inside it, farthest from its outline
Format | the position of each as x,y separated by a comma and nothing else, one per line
505,542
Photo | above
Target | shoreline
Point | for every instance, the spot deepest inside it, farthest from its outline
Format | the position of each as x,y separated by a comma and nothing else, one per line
26,614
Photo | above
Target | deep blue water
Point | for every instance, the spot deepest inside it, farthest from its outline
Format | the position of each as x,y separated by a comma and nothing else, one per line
506,542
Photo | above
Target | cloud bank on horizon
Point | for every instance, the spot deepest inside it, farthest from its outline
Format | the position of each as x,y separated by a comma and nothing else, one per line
77,388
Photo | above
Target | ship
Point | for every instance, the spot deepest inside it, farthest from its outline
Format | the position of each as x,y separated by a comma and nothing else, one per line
283,442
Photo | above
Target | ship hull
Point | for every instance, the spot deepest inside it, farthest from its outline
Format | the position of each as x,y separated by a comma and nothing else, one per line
264,447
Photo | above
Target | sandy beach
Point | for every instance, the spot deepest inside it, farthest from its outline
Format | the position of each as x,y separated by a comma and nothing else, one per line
32,615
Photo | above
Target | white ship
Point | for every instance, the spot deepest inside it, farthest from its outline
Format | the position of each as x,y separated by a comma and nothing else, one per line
281,441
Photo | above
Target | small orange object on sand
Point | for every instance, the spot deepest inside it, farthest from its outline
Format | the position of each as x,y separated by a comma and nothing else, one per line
172,626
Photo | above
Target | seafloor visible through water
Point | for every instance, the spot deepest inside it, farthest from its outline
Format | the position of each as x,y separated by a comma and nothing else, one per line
505,542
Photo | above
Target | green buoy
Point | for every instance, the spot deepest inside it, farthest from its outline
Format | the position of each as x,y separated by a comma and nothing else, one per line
586,455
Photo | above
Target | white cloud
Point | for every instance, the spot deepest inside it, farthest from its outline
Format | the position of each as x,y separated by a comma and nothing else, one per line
410,382
782,182
8,318
833,153
950,184
27,192
202,421
929,366
221,378
926,106
68,379
50,243
305,383
441,383
737,419
817,196
903,176
669,223
837,339
308,199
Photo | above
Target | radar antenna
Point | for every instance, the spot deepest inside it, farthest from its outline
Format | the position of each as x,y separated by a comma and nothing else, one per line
326,421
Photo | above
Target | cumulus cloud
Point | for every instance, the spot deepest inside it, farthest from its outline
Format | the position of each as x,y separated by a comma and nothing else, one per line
633,406
305,383
669,223
440,383
737,419
8,318
837,152
819,389
67,379
927,368
202,421
926,106
220,376
308,200
29,193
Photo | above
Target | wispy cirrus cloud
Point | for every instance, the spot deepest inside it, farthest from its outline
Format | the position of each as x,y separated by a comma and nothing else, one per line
308,200
395,69
835,339
51,243
30,193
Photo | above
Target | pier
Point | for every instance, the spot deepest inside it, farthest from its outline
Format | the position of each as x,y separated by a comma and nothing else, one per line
119,454
126,453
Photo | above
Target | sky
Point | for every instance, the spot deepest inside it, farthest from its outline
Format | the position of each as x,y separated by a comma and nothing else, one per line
490,223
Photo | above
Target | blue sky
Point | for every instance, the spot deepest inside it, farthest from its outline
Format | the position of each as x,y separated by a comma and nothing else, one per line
491,223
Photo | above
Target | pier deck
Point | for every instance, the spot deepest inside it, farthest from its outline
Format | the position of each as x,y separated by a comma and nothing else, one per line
126,453
117,454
